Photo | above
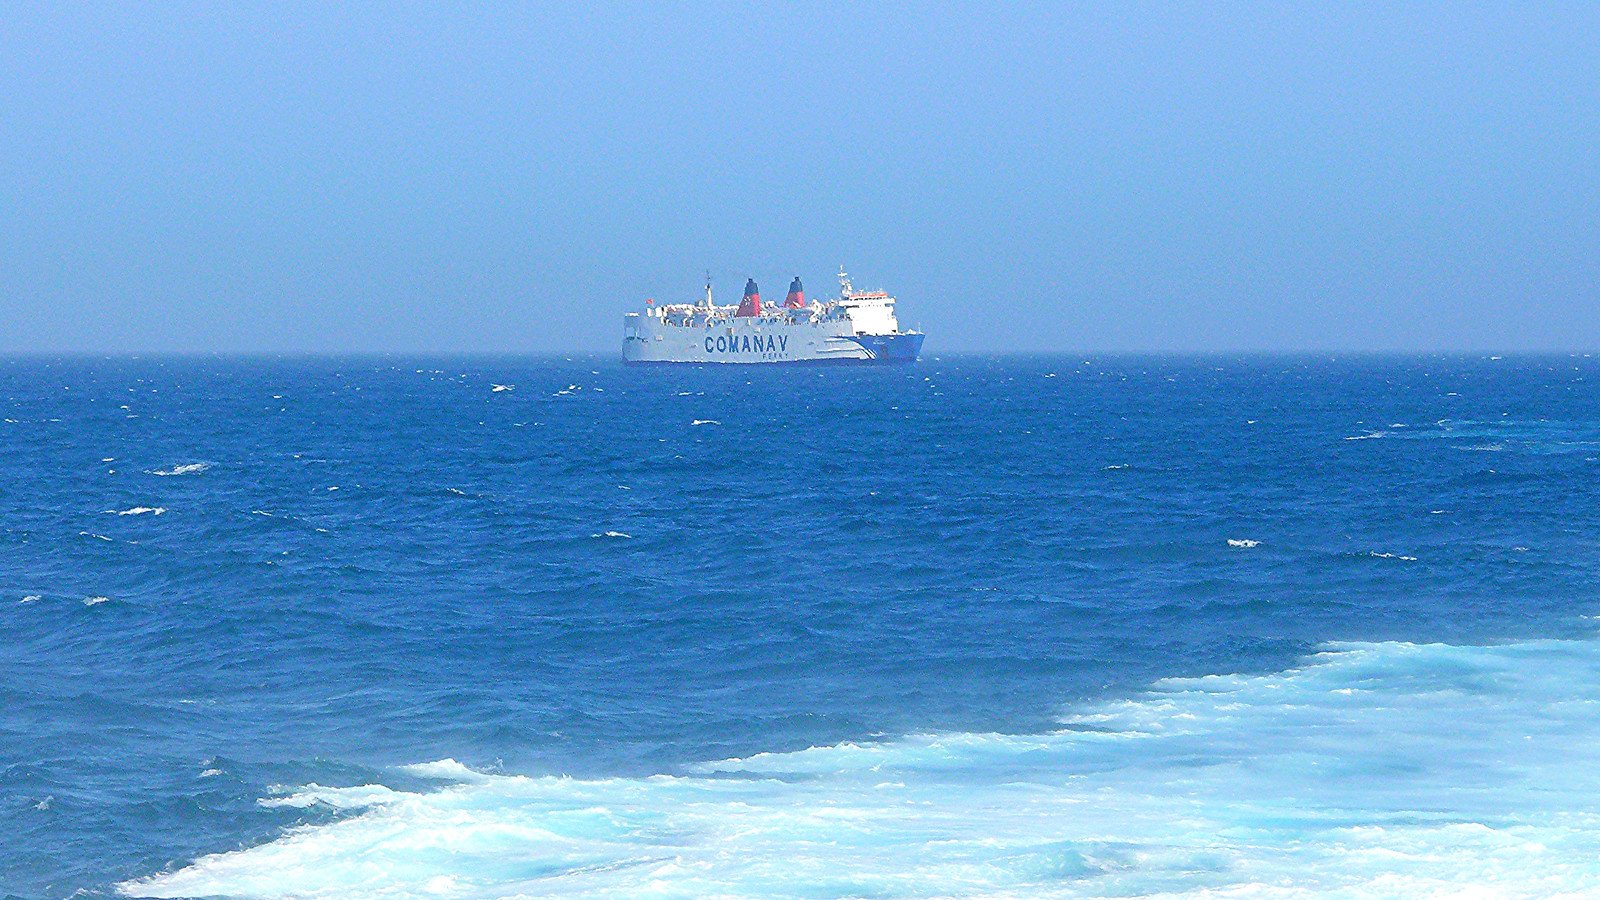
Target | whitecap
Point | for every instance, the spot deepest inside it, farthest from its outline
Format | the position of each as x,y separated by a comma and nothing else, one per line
139,511
1343,775
95,601
497,388
31,598
335,797
185,469
446,770
1391,556
612,534
210,773
1371,435
1382,769
1244,542
705,422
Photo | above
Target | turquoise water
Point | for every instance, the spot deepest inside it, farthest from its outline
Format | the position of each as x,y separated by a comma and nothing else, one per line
976,627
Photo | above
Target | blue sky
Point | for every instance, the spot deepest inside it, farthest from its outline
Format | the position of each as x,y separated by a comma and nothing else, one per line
1083,177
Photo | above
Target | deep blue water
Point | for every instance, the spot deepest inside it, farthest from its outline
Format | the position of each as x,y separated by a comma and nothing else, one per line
328,571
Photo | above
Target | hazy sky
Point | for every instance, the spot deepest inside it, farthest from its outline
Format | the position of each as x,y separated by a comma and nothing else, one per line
1118,176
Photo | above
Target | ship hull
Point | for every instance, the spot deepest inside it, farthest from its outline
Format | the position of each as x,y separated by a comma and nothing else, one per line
765,343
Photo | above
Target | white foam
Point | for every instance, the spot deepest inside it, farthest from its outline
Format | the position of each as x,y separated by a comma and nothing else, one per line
1372,770
185,469
338,798
95,601
446,770
31,598
1398,556
1246,542
497,388
612,534
139,511
705,422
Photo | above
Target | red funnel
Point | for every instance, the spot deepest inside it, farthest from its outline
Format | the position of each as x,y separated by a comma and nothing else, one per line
751,304
797,295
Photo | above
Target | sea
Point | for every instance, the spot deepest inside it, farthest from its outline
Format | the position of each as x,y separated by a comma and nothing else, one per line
1017,626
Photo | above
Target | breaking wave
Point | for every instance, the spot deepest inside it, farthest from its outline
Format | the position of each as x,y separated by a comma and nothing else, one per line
185,469
1387,769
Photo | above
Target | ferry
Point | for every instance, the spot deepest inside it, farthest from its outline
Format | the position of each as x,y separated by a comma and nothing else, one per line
857,327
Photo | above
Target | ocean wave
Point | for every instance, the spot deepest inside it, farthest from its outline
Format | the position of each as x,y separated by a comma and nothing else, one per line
446,770
185,469
1384,769
139,511
337,798
1243,542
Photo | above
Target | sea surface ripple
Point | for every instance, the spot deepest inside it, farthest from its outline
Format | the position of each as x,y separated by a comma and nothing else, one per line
1016,626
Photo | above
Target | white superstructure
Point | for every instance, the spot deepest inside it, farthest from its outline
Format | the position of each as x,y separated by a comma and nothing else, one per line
857,327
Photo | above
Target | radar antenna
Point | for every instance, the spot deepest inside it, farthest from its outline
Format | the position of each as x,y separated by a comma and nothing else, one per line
845,287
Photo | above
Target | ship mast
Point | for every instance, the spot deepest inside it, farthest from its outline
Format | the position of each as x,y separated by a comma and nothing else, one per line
707,302
845,287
